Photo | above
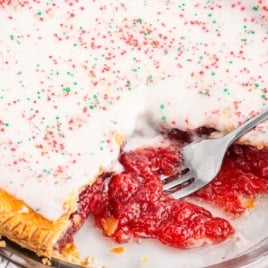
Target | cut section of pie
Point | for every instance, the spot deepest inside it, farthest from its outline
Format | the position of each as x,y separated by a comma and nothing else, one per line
81,79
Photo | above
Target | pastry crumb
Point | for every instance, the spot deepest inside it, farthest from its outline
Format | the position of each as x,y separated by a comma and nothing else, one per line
144,259
2,244
87,261
248,203
117,250
109,225
251,203
46,261
119,139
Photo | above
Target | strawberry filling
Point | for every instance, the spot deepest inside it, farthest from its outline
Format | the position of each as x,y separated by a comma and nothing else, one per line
135,206
132,205
243,176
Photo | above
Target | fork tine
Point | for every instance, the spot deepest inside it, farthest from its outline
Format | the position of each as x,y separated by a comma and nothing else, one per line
189,189
178,181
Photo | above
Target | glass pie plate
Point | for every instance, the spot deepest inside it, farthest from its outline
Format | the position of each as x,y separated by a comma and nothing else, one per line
248,248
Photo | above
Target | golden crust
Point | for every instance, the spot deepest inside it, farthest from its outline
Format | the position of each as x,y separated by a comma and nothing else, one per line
24,226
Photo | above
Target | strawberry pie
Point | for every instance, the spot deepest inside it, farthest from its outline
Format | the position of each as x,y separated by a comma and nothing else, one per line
96,100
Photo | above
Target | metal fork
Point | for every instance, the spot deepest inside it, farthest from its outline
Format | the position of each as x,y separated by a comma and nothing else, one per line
202,160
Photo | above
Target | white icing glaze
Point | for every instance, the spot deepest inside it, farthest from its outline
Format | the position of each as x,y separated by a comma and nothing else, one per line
74,74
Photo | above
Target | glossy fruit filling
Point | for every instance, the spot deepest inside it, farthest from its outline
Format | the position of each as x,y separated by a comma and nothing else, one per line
132,204
243,176
136,207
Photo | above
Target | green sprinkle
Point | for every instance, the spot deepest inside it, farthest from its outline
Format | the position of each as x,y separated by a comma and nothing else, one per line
162,106
163,118
255,8
91,107
135,69
149,79
6,124
213,73
69,73
181,5
226,91
67,89
38,94
39,13
46,171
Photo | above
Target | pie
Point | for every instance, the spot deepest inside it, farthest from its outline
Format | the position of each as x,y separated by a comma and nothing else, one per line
81,80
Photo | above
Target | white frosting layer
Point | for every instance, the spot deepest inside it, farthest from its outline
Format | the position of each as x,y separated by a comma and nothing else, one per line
75,74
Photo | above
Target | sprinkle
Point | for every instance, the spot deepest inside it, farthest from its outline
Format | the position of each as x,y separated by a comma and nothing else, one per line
46,171
226,91
163,118
67,89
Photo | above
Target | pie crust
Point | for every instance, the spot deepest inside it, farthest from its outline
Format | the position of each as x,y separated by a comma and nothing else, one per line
31,230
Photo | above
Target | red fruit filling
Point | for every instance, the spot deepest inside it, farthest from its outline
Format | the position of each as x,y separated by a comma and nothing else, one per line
243,176
132,204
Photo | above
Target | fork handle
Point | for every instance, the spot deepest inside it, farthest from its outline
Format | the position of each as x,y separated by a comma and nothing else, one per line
245,127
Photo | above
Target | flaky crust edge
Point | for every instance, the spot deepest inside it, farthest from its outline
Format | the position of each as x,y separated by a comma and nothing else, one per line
24,226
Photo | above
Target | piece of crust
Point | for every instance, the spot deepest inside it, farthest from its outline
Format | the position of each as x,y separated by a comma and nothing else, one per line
22,225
